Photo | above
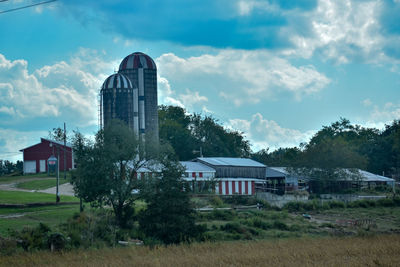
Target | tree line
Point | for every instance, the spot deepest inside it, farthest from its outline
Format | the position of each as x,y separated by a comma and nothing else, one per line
339,145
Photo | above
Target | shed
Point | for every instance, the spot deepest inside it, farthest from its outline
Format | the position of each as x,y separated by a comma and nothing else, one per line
235,167
35,157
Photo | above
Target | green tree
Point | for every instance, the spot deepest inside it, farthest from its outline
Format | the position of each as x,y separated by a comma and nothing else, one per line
187,133
174,128
107,169
169,216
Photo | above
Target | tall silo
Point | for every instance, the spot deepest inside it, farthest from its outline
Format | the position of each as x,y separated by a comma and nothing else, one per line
117,100
142,71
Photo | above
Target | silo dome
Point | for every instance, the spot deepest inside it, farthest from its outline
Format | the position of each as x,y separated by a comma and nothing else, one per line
118,81
137,60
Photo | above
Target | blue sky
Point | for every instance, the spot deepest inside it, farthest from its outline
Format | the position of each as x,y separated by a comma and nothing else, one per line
276,70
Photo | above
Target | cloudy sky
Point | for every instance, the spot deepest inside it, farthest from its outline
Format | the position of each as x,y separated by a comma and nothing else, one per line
276,70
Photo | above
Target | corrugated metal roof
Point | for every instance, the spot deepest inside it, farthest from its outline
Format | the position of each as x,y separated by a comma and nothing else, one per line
272,172
192,166
364,175
370,177
238,162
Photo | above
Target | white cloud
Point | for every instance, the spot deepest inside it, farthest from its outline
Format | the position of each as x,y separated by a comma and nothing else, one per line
245,8
191,98
264,133
12,141
381,115
59,90
342,31
243,76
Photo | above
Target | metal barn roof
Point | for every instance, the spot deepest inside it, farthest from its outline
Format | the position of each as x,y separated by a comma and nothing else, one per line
273,172
370,177
192,166
237,162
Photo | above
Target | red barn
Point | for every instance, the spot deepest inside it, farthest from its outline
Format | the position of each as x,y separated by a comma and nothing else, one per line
35,157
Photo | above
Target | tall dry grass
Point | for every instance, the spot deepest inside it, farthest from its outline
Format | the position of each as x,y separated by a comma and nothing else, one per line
381,250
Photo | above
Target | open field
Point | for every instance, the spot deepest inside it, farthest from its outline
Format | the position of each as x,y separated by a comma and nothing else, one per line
41,184
15,179
18,197
17,219
382,250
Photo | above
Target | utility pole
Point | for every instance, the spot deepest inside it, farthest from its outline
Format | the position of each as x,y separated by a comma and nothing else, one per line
65,157
58,175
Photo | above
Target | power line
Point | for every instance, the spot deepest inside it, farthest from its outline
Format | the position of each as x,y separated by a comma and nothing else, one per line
18,8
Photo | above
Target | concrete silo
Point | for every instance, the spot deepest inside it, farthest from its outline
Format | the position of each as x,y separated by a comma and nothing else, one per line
117,97
142,72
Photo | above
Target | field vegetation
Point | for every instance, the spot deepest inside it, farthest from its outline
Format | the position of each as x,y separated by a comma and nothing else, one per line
20,197
352,251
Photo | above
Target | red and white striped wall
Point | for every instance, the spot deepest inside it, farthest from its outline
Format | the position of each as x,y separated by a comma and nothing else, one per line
235,186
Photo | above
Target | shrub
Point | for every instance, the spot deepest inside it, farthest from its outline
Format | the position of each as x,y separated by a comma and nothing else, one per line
216,201
336,205
293,206
225,215
34,238
233,228
88,229
7,246
280,225
241,200
386,202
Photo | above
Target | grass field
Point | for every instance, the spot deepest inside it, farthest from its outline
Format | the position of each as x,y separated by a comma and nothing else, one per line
18,197
41,184
14,179
381,250
17,219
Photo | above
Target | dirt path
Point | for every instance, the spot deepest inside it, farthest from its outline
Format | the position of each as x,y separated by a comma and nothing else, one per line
64,190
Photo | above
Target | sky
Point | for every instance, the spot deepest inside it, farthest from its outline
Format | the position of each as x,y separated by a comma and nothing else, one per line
275,70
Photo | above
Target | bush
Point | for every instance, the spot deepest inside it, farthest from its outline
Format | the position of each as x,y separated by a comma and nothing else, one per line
56,242
224,215
241,200
34,238
233,228
280,225
7,246
88,229
336,205
216,201
386,202
258,223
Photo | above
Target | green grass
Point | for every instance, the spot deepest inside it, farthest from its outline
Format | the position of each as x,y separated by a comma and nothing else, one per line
17,197
31,217
41,184
6,179
14,179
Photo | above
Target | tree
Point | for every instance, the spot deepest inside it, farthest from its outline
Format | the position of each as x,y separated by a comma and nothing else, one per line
175,129
107,169
57,134
187,133
169,216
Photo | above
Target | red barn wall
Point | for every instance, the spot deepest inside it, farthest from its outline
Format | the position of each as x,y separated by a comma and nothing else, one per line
43,151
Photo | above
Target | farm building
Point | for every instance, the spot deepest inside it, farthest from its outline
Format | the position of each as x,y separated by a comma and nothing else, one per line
36,157
347,179
224,176
279,176
235,175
